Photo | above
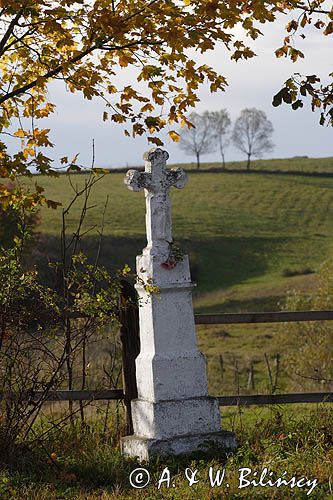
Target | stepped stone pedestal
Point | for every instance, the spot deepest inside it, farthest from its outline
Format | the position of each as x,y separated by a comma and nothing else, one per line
173,413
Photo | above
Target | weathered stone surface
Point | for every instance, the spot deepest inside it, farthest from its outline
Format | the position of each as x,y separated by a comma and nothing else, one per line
173,413
157,180
144,449
165,419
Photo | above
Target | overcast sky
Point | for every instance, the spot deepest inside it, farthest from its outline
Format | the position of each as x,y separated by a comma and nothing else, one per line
252,83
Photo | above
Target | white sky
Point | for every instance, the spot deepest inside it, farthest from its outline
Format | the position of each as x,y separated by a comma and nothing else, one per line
252,83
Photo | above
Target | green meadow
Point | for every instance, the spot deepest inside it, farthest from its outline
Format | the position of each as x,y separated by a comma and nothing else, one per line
241,231
251,238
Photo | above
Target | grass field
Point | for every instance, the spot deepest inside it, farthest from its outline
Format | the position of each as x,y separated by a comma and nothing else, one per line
296,164
240,231
245,234
295,442
250,238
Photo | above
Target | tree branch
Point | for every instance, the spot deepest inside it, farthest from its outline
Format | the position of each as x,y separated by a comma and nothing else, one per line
10,30
58,69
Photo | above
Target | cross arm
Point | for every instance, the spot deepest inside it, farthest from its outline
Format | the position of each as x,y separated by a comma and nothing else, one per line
135,181
177,178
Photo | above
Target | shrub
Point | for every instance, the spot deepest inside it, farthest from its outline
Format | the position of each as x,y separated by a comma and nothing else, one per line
310,364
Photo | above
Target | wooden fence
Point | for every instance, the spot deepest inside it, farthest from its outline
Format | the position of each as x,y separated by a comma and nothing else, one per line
129,336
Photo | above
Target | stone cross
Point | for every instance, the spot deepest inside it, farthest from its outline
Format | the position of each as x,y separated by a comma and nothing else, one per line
173,413
157,180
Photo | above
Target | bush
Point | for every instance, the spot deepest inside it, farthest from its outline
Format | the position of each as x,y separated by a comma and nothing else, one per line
310,364
45,333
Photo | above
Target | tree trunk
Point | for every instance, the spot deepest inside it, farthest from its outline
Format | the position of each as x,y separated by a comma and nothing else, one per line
223,161
198,160
248,161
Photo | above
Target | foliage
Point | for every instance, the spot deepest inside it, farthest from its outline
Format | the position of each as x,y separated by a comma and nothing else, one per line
200,138
252,132
87,44
310,366
11,221
45,332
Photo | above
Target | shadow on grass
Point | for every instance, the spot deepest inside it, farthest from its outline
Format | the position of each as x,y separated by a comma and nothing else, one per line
215,263
251,304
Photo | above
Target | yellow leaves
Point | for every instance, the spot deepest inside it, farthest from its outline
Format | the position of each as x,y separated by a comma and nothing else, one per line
154,123
292,26
218,84
118,118
173,115
29,140
124,108
147,107
247,23
125,59
282,51
28,152
174,136
129,93
161,34
41,137
329,28
20,133
155,140
295,54
148,72
112,89
242,52
46,111
316,102
304,20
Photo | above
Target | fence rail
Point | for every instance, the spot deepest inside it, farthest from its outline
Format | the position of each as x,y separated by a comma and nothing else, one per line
274,399
108,395
262,317
117,394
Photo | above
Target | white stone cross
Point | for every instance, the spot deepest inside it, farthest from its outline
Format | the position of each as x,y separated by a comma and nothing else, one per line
157,180
173,413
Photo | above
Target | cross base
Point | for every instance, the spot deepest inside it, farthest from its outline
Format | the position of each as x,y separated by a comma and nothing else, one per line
176,427
146,448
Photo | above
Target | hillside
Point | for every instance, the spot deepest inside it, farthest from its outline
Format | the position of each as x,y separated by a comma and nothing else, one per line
240,230
250,238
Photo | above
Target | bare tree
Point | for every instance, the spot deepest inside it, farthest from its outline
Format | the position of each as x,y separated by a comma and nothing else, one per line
252,133
220,123
200,139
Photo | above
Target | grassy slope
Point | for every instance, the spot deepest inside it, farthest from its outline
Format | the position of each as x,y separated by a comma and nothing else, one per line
298,164
241,232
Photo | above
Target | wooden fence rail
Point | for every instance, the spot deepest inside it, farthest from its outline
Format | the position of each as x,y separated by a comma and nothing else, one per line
117,394
129,335
276,399
108,395
262,317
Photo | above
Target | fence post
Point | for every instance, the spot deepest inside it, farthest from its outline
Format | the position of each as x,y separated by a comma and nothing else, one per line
129,336
250,380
